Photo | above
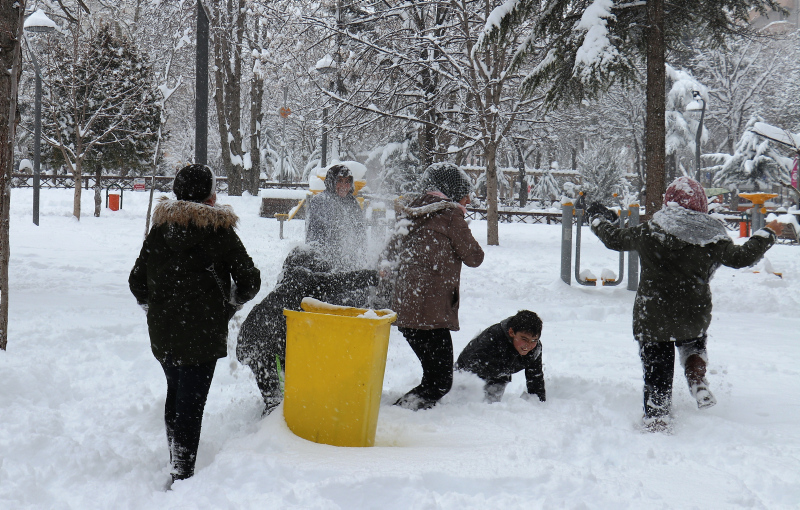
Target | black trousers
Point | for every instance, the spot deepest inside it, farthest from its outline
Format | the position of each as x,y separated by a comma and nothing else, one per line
658,363
434,348
187,391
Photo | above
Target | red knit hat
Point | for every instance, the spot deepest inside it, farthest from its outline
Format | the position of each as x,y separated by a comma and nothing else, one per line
687,193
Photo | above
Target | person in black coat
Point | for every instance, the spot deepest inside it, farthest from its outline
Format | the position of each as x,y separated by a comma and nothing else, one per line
262,338
504,349
680,248
182,278
336,222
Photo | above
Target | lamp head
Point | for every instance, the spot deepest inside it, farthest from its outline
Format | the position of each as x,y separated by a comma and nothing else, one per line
39,23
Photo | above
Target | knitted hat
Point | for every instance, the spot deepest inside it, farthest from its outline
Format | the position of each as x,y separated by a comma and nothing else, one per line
194,183
687,193
446,178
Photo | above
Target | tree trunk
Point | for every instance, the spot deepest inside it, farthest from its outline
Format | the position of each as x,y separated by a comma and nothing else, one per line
220,53
233,100
256,120
655,129
492,231
11,14
523,185
76,199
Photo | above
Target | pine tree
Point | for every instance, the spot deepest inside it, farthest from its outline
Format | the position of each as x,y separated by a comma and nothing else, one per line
602,173
101,107
582,47
754,163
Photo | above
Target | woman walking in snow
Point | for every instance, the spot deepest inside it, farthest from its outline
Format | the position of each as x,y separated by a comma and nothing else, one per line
680,248
425,256
183,280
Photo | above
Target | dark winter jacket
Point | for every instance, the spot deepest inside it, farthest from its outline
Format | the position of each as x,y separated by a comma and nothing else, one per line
336,225
492,357
679,251
431,243
187,312
262,336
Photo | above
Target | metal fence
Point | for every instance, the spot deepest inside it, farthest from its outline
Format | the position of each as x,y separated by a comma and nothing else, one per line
162,182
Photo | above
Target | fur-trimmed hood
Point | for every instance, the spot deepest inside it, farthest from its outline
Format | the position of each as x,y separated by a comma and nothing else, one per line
426,205
183,213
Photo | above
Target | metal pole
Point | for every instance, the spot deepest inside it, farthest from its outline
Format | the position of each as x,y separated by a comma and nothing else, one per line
201,88
633,255
37,139
566,242
698,136
581,214
324,162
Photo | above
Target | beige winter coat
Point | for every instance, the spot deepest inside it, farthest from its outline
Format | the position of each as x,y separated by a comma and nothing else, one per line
432,241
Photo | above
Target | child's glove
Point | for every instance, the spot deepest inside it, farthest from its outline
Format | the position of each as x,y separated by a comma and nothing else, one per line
598,210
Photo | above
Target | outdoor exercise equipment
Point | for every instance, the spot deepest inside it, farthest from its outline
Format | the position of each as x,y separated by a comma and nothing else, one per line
759,211
575,214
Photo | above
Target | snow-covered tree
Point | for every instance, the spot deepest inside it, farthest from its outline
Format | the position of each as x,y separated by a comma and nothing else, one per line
681,127
755,162
602,172
101,107
589,45
748,76
546,188
401,165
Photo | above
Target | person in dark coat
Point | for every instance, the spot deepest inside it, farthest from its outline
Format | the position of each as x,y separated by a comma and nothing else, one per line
680,248
183,280
262,337
336,222
424,258
504,349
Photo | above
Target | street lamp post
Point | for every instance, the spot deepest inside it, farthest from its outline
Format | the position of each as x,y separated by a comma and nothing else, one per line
325,66
698,97
201,88
38,22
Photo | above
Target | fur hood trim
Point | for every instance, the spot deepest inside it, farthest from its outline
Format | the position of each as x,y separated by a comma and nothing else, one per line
428,209
183,213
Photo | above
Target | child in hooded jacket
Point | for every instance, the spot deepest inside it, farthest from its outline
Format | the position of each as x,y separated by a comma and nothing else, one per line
680,248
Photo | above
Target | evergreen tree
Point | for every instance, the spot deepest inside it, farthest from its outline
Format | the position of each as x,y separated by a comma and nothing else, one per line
117,88
601,167
401,165
581,47
101,108
754,163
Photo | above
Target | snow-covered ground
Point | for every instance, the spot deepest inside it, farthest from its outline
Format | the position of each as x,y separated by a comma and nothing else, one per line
82,397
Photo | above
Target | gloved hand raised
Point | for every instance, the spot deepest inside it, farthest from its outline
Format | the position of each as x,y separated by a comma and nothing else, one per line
598,210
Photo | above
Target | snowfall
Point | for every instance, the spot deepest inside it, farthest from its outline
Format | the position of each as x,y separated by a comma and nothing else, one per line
81,406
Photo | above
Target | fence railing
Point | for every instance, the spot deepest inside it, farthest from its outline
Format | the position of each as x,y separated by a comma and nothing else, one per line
162,182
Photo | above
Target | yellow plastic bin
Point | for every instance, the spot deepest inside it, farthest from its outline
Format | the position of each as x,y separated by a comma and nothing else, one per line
335,359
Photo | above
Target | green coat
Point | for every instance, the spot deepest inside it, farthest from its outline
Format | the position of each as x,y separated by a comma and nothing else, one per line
187,311
679,251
